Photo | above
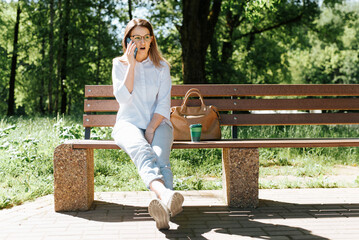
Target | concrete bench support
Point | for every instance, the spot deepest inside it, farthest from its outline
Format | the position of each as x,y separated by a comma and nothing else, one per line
73,178
240,176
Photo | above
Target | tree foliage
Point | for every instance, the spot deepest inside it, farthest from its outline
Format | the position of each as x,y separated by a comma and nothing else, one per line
84,43
66,44
333,53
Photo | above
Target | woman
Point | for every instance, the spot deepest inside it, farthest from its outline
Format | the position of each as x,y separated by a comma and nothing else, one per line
142,87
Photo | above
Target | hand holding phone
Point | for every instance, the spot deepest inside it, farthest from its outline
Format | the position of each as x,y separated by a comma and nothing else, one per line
128,40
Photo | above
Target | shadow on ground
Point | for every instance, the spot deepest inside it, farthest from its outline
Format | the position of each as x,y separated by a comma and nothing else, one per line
199,221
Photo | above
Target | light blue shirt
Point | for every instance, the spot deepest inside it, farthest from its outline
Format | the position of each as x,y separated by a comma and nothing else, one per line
151,93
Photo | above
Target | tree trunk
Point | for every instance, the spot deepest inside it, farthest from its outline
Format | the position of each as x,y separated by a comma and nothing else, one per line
59,59
214,61
11,100
99,31
130,9
42,80
232,22
63,73
51,56
196,33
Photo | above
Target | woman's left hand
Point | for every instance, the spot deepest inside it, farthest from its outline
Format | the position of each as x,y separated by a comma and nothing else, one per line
149,136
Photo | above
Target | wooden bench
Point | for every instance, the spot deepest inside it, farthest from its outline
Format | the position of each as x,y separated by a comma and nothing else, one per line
339,104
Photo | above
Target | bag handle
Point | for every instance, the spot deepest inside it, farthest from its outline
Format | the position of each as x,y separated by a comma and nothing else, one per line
190,91
188,94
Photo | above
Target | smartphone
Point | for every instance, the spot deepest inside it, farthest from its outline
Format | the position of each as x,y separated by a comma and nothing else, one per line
128,40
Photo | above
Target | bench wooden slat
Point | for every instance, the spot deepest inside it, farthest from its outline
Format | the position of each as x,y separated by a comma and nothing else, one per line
289,119
271,90
276,104
99,120
100,105
252,119
244,104
230,143
98,91
247,90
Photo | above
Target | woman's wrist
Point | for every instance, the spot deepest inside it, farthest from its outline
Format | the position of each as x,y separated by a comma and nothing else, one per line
131,66
150,130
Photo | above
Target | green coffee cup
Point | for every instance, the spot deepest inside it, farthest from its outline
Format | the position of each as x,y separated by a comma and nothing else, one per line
196,130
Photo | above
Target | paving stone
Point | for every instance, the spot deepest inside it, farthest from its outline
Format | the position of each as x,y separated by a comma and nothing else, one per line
16,237
282,214
266,215
306,237
285,232
247,231
276,237
97,237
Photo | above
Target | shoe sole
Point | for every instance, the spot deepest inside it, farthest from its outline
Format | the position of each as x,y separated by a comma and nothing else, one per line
175,205
158,211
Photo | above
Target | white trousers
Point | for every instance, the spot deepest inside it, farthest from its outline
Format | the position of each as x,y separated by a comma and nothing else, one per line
152,160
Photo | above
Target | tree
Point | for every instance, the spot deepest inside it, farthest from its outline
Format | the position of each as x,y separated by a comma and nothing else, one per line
65,44
130,9
51,57
199,21
63,57
333,56
6,39
57,54
241,24
11,100
253,38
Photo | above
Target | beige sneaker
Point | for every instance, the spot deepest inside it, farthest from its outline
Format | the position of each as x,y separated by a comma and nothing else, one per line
159,211
174,203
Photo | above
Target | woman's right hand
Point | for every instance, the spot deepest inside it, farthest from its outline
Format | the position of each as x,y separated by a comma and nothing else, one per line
130,52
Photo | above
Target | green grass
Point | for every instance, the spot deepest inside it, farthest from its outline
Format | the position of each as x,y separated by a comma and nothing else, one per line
27,146
26,169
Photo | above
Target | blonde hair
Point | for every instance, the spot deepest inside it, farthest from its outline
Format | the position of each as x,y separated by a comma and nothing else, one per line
154,53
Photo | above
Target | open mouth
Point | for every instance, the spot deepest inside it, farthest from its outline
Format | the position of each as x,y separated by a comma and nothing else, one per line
142,48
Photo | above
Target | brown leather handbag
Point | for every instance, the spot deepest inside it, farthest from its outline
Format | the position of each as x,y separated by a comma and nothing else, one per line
183,116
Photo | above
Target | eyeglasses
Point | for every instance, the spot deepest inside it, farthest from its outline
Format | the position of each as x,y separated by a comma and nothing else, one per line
137,38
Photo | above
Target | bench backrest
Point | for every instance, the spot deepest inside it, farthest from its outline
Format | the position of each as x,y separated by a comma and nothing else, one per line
320,104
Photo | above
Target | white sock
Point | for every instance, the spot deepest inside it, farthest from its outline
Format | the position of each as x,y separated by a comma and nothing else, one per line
166,195
158,187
